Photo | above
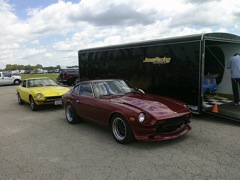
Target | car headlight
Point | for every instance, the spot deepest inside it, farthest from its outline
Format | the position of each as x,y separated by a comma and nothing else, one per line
39,95
141,117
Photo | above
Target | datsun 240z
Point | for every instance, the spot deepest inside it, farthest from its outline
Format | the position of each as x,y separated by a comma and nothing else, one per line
130,113
40,91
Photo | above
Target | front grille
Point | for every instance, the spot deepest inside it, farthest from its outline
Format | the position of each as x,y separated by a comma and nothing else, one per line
53,98
172,125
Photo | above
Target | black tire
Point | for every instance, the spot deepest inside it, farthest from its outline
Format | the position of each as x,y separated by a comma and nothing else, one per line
33,105
121,129
70,114
17,82
20,101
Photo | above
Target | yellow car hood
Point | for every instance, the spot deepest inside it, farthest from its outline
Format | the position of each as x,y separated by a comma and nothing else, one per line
50,90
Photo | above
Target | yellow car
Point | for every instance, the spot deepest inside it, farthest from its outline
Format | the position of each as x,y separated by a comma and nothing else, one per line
40,91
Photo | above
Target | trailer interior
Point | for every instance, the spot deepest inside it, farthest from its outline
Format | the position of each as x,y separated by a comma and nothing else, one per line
217,94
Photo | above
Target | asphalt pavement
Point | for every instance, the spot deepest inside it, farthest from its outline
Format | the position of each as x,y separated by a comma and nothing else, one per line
42,145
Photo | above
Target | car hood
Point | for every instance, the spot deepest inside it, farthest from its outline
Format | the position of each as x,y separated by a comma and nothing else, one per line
16,77
159,107
50,90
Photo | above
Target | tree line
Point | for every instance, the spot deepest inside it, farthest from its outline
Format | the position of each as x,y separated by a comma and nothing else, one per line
12,67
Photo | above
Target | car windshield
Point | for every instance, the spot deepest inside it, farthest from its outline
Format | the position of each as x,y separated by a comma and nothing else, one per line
114,87
41,82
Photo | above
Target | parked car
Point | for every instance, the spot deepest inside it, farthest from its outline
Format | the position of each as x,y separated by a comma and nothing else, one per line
128,112
40,91
6,78
68,76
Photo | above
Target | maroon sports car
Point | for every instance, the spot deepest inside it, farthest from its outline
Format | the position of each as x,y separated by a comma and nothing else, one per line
128,112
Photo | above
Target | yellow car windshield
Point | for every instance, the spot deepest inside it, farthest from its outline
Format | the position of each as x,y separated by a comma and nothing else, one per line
41,82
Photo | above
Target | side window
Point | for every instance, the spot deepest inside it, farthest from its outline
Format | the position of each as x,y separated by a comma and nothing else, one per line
85,89
24,84
30,83
6,75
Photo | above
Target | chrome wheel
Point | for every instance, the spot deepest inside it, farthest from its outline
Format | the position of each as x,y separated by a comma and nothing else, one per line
119,128
70,114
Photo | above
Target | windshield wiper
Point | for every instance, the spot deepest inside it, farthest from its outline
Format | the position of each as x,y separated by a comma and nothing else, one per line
133,92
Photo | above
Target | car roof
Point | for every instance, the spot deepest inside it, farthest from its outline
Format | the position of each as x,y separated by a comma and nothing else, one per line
101,80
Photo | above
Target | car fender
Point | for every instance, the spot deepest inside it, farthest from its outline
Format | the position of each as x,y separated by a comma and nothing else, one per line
128,112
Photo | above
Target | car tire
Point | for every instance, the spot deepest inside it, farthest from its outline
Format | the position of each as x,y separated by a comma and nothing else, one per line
17,82
20,101
33,105
70,114
121,129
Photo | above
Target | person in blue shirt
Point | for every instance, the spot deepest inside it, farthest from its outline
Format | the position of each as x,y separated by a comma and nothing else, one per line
234,65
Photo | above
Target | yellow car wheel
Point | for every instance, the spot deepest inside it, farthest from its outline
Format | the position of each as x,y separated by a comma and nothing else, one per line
33,105
20,101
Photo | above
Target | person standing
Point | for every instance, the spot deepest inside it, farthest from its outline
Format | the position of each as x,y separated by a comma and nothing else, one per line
234,65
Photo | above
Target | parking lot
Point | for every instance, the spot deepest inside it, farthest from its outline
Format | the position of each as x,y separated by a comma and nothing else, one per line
42,145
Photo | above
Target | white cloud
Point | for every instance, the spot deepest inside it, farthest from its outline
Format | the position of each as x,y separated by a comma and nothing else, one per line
35,41
53,35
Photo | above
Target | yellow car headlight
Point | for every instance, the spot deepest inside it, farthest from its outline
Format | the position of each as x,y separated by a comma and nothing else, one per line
39,95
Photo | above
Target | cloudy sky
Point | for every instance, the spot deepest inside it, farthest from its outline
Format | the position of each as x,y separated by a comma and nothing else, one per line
50,32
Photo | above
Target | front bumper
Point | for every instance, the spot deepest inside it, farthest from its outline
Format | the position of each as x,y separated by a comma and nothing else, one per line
50,100
152,135
170,130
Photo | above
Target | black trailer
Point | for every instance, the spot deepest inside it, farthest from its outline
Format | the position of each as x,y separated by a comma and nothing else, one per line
192,69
